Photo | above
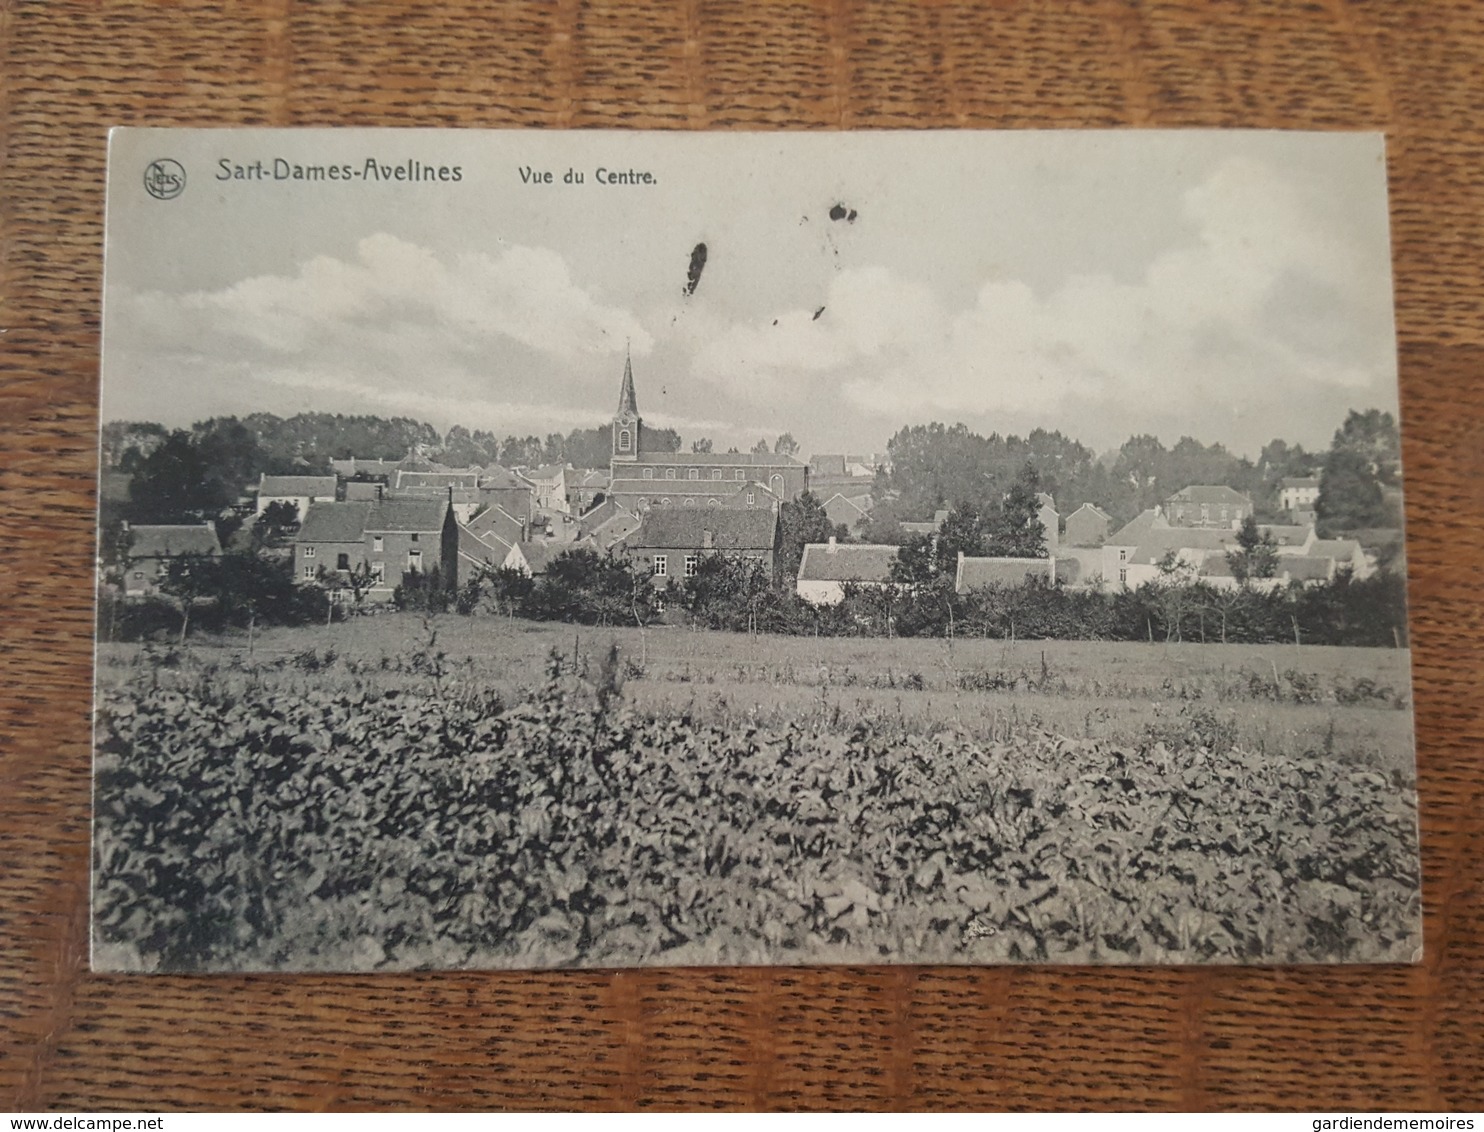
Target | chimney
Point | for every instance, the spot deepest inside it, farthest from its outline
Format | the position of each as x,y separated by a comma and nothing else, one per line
832,545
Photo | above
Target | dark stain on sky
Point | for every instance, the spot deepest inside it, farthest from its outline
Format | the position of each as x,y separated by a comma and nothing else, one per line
697,265
842,212
817,313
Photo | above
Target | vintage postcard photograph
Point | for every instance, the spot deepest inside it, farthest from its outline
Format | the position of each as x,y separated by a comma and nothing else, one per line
546,549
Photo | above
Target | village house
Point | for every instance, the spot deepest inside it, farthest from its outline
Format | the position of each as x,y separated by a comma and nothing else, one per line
1088,526
152,547
496,539
827,568
1141,551
389,538
939,518
606,524
1298,493
586,487
977,573
1203,505
672,543
642,481
502,488
549,487
847,511
297,491
1050,521
750,494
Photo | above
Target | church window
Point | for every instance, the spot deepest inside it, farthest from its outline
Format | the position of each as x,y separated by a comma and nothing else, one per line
738,474
669,473
716,473
623,440
690,502
649,473
694,474
710,503
776,483
665,502
643,503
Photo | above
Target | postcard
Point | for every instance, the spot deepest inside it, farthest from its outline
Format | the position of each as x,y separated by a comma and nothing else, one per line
608,549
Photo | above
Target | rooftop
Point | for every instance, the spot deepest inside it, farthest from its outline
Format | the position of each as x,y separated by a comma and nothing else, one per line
151,541
980,573
297,485
693,529
847,562
1209,493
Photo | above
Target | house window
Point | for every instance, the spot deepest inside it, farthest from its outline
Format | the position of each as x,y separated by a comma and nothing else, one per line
309,552
378,572
623,440
693,474
692,561
342,562
649,473
414,560
661,565
1123,577
750,498
139,573
716,473
377,544
1205,512
413,536
738,474
1123,556
309,571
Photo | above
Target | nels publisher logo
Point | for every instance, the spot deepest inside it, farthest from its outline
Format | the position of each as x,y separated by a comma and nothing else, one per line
164,179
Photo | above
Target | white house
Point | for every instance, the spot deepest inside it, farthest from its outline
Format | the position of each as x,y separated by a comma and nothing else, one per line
827,568
300,491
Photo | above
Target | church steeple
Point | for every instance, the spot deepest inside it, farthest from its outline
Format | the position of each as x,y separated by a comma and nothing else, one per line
627,405
626,422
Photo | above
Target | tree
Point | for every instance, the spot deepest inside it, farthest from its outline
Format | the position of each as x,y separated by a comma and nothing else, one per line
657,440
800,522
188,579
509,588
704,445
177,482
1256,555
1014,529
786,445
1350,493
760,448
1363,460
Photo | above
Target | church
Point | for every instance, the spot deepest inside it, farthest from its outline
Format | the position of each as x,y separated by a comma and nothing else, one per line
642,480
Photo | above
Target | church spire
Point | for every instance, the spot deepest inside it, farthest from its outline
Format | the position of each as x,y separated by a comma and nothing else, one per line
627,405
626,424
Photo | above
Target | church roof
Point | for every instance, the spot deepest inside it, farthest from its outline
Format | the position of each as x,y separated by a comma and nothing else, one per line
627,405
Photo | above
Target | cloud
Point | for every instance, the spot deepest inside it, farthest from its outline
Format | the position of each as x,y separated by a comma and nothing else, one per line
1263,301
394,324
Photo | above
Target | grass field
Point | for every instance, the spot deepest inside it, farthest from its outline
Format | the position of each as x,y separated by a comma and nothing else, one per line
1342,703
401,792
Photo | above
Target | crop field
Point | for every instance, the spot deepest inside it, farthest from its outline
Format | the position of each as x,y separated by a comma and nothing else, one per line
402,792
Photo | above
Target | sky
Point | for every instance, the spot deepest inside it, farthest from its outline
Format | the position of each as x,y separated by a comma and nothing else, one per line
1234,286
